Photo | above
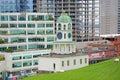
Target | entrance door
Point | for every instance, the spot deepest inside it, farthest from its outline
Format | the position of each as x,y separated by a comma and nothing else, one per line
54,66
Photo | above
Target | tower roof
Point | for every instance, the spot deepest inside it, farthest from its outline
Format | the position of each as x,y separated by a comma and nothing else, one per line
64,18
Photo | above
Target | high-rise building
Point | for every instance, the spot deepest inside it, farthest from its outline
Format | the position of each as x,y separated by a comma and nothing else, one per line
84,14
16,6
109,17
43,6
118,16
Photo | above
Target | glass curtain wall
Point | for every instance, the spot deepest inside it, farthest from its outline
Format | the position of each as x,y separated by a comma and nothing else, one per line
16,6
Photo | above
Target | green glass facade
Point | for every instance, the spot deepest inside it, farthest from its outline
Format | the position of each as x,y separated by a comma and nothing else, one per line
25,32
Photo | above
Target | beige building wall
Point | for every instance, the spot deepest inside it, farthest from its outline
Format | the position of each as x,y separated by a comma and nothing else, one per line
108,16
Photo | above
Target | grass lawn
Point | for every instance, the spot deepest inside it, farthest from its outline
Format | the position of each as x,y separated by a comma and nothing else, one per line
107,70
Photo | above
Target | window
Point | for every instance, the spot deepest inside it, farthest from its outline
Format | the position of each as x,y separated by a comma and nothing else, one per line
49,46
13,18
2,48
64,35
31,32
32,39
62,63
85,60
49,39
41,32
64,27
49,31
49,25
16,57
22,25
4,18
40,25
3,32
69,26
30,25
34,46
15,32
31,17
17,65
4,26
40,17
35,62
68,62
27,63
21,17
23,47
27,56
36,39
74,61
80,61
59,26
13,25
13,48
41,46
36,55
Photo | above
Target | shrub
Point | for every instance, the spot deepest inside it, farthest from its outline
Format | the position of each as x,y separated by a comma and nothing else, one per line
2,41
9,50
2,58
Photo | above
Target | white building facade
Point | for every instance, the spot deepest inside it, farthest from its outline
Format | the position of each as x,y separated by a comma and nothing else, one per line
26,31
59,64
25,62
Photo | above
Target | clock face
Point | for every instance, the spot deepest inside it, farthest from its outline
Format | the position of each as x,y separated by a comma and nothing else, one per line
59,35
69,35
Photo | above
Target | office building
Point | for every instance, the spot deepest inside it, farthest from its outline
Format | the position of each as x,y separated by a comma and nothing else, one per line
109,17
16,6
23,38
43,6
118,16
84,14
20,63
28,31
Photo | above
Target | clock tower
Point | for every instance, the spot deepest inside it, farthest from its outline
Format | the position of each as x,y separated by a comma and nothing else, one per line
64,43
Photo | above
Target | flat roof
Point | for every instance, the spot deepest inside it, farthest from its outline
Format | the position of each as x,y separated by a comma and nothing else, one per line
62,55
42,51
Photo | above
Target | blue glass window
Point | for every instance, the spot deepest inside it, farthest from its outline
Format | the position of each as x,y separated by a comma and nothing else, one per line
35,62
13,18
21,17
17,65
4,18
30,25
49,39
41,25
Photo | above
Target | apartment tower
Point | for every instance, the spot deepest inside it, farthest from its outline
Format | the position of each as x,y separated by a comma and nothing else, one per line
109,17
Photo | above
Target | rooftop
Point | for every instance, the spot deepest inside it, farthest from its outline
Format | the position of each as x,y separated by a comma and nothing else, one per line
64,18
62,55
